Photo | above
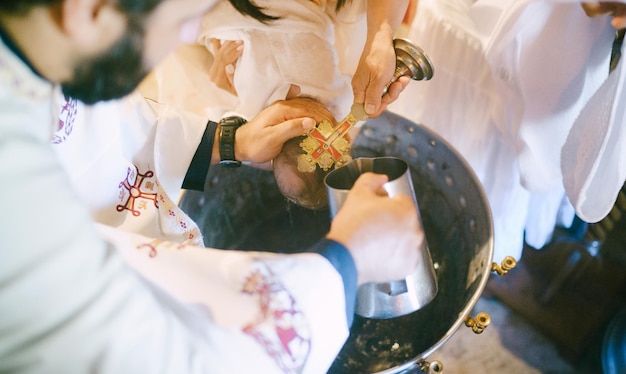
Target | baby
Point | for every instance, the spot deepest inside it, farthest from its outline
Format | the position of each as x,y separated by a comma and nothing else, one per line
287,50
293,45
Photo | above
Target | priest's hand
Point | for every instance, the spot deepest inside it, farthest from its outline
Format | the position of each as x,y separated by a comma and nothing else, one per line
262,138
374,72
378,59
382,233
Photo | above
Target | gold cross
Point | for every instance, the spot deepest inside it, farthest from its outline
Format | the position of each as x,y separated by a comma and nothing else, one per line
326,145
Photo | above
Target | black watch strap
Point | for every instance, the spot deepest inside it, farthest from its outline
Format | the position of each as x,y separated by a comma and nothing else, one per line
228,127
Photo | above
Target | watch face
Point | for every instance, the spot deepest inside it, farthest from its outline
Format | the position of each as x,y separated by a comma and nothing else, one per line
230,163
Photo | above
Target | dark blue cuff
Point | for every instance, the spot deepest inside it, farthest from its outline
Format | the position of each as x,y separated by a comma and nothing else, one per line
199,168
342,260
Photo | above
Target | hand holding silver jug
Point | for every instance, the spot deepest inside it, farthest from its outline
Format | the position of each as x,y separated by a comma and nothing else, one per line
408,293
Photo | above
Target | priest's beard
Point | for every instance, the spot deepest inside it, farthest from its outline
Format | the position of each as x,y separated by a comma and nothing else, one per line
113,74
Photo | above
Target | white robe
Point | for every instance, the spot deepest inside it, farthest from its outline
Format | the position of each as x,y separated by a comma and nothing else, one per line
101,271
510,79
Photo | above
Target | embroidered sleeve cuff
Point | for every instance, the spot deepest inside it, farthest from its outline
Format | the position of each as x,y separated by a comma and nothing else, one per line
342,260
199,168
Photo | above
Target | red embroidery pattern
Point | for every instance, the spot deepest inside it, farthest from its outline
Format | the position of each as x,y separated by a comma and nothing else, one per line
132,185
188,228
67,116
281,328
159,244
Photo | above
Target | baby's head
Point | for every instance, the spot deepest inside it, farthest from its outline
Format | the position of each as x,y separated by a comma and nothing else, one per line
305,185
306,189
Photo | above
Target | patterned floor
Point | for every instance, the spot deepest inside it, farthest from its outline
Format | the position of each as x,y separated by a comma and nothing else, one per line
509,345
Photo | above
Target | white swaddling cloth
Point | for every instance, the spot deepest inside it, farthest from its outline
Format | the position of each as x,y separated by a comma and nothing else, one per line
298,49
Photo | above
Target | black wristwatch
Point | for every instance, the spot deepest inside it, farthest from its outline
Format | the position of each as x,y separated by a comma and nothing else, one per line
228,127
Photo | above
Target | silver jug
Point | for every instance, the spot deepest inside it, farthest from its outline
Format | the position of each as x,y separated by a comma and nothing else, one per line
396,298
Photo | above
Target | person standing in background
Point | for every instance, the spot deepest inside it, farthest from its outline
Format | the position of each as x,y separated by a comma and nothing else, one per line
513,78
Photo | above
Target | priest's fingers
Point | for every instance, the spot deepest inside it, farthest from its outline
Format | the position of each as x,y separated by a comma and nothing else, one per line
262,138
263,143
374,71
382,234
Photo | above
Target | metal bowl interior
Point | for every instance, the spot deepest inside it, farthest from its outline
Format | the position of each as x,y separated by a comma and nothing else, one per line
243,209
